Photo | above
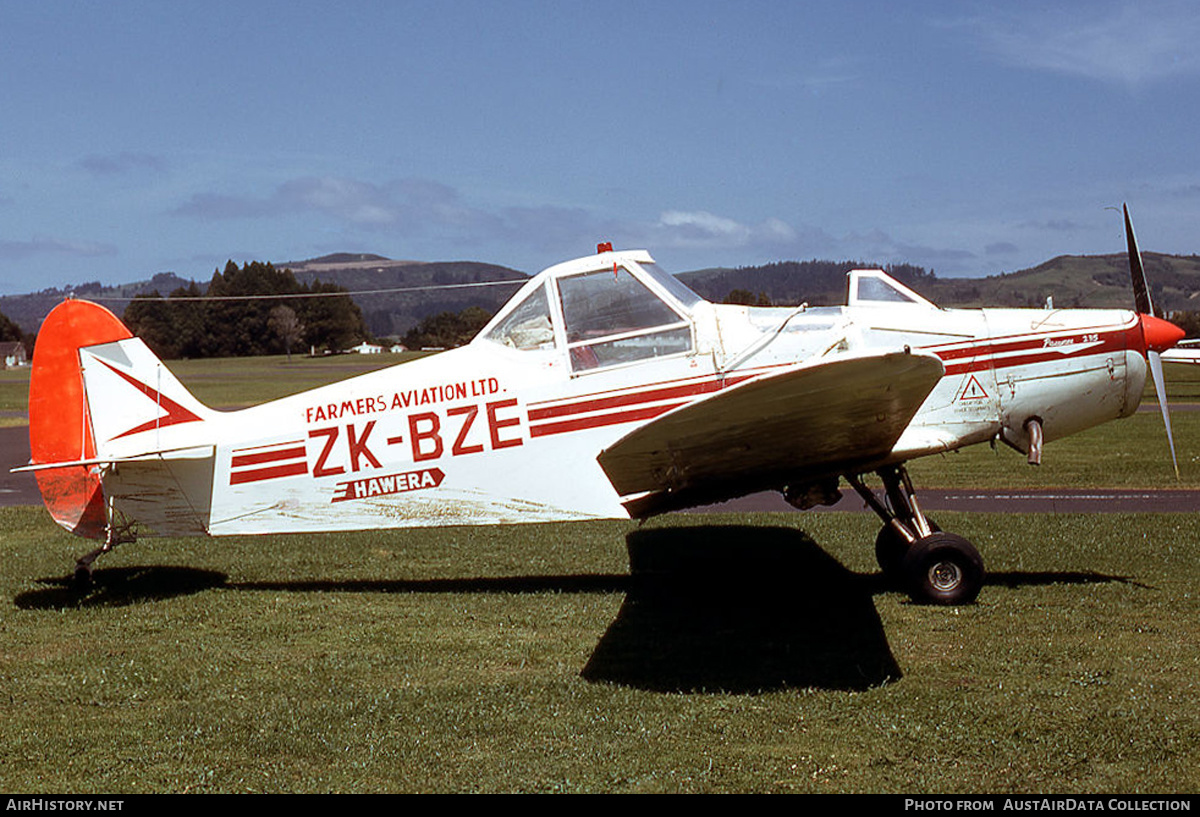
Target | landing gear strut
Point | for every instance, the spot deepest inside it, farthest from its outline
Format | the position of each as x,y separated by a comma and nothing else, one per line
931,566
117,531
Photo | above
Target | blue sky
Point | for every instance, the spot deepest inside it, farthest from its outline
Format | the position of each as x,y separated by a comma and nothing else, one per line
972,139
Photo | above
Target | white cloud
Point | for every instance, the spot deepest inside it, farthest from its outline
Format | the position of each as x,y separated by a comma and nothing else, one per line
416,209
1131,44
121,164
15,250
700,228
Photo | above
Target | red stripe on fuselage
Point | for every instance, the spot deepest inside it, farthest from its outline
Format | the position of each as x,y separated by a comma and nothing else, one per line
259,474
594,403
1002,353
599,420
241,460
630,405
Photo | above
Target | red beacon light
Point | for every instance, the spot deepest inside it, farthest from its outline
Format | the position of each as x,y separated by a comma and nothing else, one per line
604,246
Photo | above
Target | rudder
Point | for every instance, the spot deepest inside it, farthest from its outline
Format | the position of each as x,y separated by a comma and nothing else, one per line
59,427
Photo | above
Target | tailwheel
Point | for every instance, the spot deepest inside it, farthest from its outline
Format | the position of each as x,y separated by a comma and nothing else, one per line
942,568
83,577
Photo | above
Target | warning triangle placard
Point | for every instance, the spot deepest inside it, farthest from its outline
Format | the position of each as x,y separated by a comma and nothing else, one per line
973,390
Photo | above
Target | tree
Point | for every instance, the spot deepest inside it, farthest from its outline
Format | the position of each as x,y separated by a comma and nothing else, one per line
447,330
9,331
745,297
284,323
189,325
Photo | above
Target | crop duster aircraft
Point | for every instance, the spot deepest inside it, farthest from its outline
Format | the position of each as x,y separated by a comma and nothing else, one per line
604,388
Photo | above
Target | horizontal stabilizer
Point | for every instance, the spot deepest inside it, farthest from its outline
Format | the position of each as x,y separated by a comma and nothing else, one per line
196,452
817,419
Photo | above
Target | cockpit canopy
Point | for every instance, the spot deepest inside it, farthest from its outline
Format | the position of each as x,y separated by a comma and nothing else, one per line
605,310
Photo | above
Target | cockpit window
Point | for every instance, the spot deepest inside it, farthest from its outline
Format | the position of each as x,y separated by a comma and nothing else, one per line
677,289
876,288
630,348
611,317
606,302
528,326
873,289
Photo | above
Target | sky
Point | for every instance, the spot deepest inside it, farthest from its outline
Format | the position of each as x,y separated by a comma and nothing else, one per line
967,138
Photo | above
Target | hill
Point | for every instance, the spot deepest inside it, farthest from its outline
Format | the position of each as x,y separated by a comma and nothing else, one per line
1100,281
435,287
428,288
28,311
439,286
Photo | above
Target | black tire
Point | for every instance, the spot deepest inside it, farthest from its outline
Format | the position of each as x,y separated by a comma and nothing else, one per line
82,580
943,568
890,549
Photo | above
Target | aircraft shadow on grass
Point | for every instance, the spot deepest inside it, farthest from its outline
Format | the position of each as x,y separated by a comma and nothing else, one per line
737,609
120,587
741,609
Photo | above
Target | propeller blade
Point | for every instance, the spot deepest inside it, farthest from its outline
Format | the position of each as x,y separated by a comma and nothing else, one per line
1160,389
1141,289
1157,334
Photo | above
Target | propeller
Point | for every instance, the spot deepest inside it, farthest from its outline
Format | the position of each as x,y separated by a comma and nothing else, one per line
1158,335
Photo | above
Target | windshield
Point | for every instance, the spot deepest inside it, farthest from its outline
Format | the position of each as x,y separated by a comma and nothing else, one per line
611,317
606,303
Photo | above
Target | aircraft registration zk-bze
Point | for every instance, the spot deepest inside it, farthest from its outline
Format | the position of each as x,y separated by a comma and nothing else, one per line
605,388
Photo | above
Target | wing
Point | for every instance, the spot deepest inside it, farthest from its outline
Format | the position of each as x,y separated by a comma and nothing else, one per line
1185,352
812,420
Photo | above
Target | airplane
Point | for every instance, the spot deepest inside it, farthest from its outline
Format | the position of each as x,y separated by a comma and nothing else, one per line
1188,351
604,388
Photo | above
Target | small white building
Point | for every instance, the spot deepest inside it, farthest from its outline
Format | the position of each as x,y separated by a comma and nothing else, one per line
13,354
365,348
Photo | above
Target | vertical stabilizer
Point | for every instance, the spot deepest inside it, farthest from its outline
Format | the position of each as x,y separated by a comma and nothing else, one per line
59,427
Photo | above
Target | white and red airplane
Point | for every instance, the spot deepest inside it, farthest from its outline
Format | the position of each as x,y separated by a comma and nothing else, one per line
604,388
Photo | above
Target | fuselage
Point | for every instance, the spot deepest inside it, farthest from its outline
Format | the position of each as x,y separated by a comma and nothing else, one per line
507,429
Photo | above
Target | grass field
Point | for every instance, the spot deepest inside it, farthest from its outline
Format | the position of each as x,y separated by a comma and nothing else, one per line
691,654
737,654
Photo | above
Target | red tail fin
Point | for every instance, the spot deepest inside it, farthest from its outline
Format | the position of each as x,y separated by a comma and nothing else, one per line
59,427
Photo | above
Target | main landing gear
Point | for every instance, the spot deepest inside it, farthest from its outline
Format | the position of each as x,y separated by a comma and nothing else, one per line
932,566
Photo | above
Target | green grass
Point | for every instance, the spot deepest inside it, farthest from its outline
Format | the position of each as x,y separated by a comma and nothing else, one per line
14,397
743,654
1128,453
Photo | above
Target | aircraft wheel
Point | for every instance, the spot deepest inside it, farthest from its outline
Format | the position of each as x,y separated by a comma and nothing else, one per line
82,578
943,568
890,549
